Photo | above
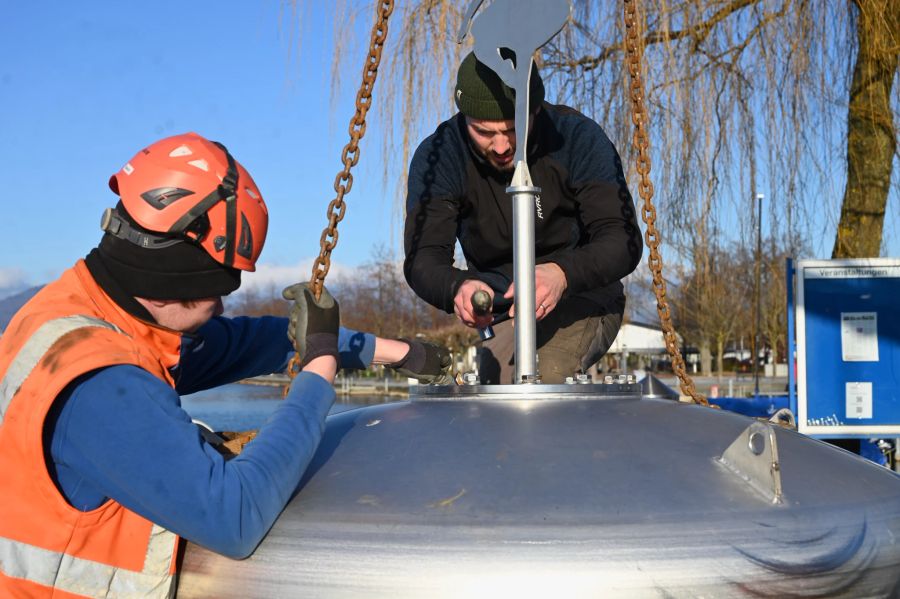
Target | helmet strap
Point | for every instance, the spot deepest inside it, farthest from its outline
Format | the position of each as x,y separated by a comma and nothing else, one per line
117,226
228,192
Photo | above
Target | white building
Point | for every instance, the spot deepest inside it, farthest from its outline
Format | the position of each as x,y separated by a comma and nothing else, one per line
637,338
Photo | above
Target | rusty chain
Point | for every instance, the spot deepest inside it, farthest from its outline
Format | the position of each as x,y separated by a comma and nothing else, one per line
350,155
641,142
343,182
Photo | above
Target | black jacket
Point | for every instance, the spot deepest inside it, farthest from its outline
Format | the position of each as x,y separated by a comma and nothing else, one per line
586,223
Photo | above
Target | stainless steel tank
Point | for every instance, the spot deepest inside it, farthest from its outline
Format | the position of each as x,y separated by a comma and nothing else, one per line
569,491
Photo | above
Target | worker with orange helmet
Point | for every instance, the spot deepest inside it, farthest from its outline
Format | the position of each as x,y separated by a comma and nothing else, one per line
101,469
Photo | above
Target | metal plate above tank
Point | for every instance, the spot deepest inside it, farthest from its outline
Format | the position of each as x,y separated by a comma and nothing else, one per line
626,389
570,491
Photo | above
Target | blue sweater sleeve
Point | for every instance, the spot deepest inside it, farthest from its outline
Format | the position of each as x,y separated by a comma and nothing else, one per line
121,433
226,350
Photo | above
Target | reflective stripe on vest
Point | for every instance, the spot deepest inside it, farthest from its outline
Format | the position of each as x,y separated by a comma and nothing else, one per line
56,569
90,578
35,348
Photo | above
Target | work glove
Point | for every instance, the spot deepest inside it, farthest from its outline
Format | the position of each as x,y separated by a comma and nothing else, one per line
313,326
427,362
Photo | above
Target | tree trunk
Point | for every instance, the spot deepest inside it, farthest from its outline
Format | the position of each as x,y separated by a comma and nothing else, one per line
871,137
720,357
705,358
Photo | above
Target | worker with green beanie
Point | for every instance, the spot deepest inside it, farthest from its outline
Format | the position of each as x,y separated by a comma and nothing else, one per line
586,233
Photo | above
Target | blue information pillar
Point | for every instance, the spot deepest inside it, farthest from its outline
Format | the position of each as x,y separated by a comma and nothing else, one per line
848,347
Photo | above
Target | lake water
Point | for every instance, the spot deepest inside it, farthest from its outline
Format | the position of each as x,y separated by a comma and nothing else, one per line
240,407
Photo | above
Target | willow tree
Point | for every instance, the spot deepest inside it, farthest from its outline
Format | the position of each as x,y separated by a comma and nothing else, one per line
745,96
872,131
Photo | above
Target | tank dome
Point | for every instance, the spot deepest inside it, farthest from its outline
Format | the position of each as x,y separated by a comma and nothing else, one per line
570,491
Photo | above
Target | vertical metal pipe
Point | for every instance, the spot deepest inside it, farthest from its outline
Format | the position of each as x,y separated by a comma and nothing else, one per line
523,199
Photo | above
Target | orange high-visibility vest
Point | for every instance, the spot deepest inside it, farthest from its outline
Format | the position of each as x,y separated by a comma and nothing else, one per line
47,547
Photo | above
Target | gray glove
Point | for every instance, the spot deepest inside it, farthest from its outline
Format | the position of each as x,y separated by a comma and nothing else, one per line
427,362
313,326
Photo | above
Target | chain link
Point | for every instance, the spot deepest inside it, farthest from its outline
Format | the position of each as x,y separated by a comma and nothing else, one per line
641,142
343,182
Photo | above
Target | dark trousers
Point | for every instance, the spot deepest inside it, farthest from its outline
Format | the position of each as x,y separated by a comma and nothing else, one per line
570,339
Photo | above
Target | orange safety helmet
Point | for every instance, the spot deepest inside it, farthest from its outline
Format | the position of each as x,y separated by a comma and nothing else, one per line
188,188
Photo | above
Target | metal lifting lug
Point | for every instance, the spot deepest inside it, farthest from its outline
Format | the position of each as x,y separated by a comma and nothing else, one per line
753,457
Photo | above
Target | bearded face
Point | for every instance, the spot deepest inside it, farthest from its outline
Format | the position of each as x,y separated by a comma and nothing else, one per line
495,141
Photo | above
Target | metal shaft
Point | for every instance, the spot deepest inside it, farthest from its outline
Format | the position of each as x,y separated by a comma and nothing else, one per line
523,199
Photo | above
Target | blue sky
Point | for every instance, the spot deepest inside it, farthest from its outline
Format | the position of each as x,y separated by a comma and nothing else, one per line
85,85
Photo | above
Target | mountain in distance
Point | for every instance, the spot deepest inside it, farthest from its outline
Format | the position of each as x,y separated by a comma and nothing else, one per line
10,305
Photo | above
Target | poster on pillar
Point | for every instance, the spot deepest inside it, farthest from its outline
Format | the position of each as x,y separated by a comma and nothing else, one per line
848,347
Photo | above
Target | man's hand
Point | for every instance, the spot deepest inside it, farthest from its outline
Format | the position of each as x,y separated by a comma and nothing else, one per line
462,304
313,326
427,362
549,285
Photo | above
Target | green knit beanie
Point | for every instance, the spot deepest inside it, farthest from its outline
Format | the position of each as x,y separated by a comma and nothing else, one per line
481,94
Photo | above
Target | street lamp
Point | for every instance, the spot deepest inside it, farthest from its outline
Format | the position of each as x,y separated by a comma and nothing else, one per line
759,199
